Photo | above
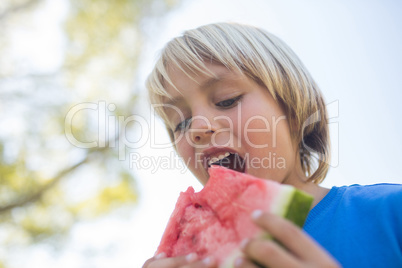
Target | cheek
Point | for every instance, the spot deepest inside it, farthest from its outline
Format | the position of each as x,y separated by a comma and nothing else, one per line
268,141
257,136
187,153
183,149
257,131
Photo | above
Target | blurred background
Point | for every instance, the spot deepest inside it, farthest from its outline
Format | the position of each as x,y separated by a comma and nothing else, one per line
87,178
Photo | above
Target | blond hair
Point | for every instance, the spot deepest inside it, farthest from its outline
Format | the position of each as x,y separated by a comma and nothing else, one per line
267,60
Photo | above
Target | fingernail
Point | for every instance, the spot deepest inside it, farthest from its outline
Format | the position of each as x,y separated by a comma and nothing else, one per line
160,255
208,261
244,243
191,257
238,262
256,214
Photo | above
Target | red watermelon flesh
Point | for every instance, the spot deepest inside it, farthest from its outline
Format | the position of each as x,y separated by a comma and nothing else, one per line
214,221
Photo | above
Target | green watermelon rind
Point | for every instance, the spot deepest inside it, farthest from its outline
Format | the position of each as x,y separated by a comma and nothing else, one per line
299,207
292,204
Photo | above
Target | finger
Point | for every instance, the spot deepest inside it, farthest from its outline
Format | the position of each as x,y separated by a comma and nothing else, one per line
149,261
208,262
146,264
171,262
244,263
291,236
269,253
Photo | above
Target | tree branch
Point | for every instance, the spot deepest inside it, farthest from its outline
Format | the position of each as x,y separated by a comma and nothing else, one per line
17,8
38,193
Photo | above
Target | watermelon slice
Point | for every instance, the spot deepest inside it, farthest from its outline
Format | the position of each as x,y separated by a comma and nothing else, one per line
214,221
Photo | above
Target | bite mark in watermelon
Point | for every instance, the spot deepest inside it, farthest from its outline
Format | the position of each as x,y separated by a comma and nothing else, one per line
214,221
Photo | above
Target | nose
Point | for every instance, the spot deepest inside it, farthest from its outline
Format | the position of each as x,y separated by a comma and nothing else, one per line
202,128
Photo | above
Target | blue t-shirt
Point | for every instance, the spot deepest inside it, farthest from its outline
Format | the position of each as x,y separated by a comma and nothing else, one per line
361,226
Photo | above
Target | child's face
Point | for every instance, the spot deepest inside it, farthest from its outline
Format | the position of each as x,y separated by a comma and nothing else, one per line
230,114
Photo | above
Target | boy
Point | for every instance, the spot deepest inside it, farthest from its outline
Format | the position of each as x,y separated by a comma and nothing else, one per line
235,95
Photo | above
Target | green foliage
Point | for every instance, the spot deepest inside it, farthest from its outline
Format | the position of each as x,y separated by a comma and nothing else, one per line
39,168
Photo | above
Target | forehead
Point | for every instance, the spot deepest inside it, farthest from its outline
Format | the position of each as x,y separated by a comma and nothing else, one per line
181,79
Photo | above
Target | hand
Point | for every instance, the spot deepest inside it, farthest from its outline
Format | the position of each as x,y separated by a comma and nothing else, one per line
189,261
301,250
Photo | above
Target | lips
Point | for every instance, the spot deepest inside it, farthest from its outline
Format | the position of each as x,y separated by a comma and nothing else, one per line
216,159
225,158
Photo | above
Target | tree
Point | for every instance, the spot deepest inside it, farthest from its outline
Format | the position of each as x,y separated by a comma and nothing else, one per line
60,128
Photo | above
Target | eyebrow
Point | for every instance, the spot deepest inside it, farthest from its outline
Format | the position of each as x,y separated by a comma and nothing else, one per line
206,84
211,81
225,75
222,76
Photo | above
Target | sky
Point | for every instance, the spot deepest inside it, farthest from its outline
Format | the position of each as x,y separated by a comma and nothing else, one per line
352,50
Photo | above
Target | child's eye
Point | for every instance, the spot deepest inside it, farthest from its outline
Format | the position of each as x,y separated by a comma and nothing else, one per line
183,125
229,102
